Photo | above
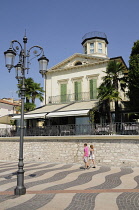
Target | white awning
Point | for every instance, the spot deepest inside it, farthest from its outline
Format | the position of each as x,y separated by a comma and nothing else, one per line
40,112
68,113
31,116
60,110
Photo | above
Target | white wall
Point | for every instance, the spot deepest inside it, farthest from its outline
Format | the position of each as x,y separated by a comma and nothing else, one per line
5,109
54,79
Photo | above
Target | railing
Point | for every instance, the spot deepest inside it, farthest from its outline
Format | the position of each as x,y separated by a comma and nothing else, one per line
83,96
68,130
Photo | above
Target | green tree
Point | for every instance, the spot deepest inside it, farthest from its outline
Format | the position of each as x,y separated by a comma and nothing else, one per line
36,92
105,97
133,77
109,89
33,90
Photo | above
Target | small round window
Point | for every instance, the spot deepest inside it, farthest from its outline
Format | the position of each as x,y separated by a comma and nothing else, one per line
78,63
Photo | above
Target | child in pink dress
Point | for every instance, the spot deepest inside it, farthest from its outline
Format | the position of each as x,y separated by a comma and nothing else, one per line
92,156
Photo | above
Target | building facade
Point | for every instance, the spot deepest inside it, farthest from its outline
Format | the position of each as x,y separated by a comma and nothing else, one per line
71,85
76,79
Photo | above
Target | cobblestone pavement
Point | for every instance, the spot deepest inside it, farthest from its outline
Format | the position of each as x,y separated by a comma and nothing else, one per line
70,187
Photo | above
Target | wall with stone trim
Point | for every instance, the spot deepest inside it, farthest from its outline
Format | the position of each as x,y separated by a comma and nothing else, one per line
109,150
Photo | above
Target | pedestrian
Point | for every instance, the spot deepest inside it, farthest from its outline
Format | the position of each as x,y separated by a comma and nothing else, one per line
86,156
92,156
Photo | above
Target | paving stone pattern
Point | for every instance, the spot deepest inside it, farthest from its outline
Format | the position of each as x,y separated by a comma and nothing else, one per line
57,186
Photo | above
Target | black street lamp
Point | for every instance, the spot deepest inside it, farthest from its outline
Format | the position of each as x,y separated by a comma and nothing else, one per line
21,67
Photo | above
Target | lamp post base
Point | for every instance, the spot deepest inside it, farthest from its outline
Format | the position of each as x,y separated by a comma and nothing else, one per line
20,191
20,188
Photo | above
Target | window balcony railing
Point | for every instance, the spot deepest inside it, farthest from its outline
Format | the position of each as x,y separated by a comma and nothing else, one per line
128,128
83,96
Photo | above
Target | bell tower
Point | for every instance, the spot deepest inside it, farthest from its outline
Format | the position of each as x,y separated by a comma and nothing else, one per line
95,44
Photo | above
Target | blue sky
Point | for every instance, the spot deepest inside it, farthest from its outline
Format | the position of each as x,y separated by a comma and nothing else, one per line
59,25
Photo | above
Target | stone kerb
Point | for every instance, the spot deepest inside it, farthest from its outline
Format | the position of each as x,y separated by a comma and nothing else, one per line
109,150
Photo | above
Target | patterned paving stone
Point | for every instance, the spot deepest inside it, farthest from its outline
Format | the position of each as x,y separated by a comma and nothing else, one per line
4,197
83,202
107,201
137,180
37,174
83,178
56,180
7,164
65,198
4,170
15,168
12,176
128,201
113,180
34,203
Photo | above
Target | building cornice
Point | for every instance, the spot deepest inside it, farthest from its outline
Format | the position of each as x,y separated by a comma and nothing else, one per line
85,56
77,67
63,81
92,76
99,61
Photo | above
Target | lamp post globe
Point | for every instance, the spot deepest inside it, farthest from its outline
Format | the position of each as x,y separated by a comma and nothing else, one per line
18,69
9,58
43,63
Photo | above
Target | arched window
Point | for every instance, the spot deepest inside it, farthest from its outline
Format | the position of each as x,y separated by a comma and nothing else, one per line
78,63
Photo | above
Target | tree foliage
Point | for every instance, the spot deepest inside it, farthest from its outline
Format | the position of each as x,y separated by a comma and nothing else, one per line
109,89
133,77
33,91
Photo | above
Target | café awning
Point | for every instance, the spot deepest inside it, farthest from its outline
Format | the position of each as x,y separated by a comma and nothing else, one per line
74,109
40,112
68,113
60,110
31,116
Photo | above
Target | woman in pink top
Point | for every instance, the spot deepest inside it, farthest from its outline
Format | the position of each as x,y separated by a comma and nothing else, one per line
86,155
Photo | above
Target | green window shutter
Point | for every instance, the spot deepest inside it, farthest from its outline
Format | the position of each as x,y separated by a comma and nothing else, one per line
79,91
76,90
63,92
93,88
77,87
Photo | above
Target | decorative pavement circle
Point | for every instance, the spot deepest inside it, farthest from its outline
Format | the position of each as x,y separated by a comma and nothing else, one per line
69,187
